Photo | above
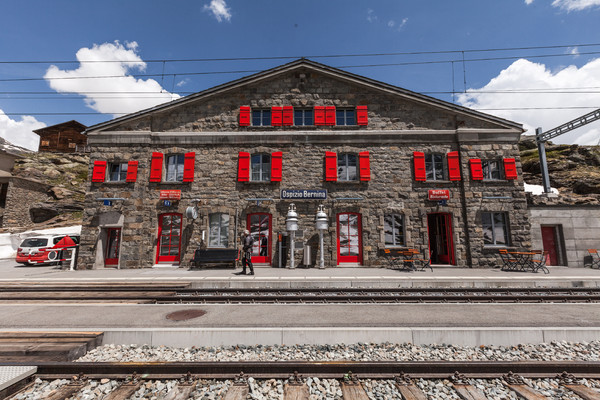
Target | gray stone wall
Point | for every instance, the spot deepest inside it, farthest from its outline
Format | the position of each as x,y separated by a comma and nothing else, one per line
22,194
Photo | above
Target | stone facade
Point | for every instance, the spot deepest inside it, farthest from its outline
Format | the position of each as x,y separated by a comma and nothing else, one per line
22,195
400,123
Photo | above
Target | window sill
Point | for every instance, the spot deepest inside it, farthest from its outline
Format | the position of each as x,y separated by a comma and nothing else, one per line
116,183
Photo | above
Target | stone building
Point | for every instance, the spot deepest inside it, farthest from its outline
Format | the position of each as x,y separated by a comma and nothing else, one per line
66,137
393,169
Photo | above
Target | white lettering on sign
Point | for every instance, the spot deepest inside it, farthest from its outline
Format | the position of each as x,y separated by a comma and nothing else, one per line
307,194
439,194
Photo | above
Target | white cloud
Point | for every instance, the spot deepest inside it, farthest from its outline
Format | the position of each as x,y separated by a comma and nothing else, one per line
219,9
20,132
574,51
391,23
575,5
127,94
371,17
528,2
541,86
404,21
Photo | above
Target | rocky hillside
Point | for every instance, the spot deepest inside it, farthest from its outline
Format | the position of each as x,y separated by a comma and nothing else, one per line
66,176
574,170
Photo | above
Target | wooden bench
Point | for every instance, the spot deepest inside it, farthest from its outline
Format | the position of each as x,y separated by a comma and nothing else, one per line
215,256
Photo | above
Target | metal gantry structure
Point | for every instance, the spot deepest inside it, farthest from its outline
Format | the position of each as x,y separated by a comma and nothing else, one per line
542,137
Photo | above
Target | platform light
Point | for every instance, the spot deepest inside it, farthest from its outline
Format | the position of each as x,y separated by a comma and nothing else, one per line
322,224
291,224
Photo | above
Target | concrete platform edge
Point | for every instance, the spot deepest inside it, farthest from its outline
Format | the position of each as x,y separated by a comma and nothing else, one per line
469,336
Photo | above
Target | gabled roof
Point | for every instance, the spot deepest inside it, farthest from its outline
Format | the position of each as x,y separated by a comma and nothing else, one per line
322,68
69,124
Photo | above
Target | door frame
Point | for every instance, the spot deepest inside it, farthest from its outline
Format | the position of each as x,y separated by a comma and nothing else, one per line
559,244
449,236
112,262
168,259
349,259
262,259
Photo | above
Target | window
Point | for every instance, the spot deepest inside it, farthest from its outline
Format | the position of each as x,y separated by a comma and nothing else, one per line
72,145
45,143
261,117
495,229
434,167
345,117
491,169
303,117
117,172
393,227
174,164
260,165
218,230
347,167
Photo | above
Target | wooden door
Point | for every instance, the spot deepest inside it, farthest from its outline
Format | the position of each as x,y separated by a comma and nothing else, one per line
550,242
441,240
259,225
169,238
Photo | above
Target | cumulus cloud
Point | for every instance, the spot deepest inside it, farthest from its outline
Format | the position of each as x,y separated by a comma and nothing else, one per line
126,93
371,17
20,132
526,85
528,2
575,5
219,10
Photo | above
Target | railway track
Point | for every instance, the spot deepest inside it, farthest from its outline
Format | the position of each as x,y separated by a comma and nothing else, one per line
181,294
299,380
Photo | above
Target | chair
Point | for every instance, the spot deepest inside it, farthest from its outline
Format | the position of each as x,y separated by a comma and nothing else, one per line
390,258
510,263
595,258
423,262
538,261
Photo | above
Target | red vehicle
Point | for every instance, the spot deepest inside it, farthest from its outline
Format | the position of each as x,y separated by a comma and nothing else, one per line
45,249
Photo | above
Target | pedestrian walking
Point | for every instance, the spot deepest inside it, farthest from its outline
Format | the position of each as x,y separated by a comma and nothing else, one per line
247,243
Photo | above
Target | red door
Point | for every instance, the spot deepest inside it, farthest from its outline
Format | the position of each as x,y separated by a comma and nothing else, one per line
113,244
441,240
550,243
169,238
259,225
349,238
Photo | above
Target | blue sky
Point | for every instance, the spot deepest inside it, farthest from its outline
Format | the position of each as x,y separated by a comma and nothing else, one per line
137,33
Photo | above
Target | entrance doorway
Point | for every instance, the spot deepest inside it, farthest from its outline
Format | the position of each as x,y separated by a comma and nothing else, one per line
441,241
169,238
349,238
113,244
552,241
259,225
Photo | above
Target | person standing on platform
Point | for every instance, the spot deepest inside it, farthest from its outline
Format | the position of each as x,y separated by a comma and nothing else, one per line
247,243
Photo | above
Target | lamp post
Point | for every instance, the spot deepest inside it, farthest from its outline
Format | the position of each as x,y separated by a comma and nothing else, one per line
322,225
291,223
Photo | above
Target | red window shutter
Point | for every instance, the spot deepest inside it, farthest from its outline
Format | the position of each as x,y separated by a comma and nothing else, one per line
510,168
362,116
243,166
319,115
330,115
330,166
453,166
476,170
244,116
132,167
288,116
364,164
99,171
276,166
419,164
188,167
156,167
276,116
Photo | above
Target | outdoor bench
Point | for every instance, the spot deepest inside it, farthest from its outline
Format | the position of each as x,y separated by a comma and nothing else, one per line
215,256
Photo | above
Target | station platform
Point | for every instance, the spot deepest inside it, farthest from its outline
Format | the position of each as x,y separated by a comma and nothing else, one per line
269,324
441,276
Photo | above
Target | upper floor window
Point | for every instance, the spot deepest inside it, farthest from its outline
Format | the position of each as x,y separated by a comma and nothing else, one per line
260,166
45,143
347,167
393,227
261,117
492,170
303,117
174,168
495,228
434,167
117,172
345,117
218,235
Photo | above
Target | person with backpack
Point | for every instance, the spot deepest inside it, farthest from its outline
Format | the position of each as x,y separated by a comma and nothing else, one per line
247,243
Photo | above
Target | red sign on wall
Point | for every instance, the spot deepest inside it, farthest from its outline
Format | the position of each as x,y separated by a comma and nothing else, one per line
170,194
439,194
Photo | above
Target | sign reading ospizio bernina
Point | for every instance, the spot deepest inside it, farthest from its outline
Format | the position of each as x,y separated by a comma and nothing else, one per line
304,194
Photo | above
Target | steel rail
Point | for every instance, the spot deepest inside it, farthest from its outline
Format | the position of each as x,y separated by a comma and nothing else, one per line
320,369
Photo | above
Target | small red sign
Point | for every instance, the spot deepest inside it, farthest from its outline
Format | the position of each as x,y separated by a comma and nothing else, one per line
170,194
439,194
